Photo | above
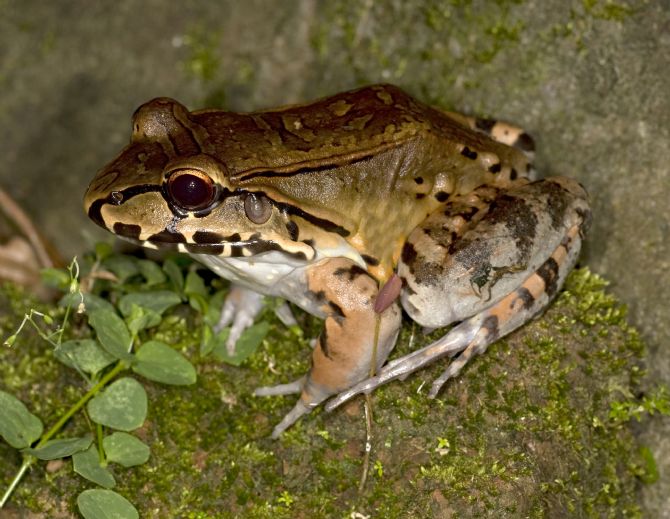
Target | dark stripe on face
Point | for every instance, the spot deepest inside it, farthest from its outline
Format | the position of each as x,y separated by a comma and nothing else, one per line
210,237
118,198
166,236
293,230
322,223
548,271
495,168
127,230
261,246
209,248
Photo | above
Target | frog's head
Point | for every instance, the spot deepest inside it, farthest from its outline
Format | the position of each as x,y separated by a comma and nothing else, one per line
166,190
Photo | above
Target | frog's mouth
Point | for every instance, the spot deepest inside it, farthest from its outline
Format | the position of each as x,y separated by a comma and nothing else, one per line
209,243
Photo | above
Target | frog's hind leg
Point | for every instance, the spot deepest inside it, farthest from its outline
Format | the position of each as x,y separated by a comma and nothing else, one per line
500,131
494,308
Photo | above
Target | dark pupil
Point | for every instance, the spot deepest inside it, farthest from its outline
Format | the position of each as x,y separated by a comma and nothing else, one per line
191,192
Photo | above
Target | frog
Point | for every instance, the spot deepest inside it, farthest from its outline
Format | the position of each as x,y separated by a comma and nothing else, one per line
355,207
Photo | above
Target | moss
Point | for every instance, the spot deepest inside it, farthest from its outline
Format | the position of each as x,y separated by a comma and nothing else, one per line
537,426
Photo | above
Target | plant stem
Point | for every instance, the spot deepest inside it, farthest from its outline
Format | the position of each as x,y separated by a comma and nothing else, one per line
29,460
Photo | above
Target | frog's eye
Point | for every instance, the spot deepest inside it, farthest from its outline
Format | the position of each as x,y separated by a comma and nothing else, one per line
191,189
257,207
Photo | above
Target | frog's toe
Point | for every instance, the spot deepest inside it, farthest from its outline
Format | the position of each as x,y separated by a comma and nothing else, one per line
240,308
281,389
299,409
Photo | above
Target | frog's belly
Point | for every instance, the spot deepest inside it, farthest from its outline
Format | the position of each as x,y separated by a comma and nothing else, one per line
272,273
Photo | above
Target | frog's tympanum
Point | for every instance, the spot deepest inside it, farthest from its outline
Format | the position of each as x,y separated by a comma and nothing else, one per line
352,207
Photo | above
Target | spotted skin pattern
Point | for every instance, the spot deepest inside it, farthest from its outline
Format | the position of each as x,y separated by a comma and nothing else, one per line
352,207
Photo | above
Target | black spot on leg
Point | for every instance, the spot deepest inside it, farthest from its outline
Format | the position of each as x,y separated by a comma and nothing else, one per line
495,168
485,125
419,196
468,153
490,324
323,343
338,314
585,216
513,174
526,297
524,142
373,262
441,196
418,180
518,217
408,254
352,272
548,271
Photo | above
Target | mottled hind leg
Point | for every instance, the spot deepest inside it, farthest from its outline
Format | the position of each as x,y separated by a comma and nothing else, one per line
493,278
473,336
346,347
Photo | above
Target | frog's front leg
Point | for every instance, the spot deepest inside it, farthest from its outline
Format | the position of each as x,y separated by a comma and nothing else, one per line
494,275
346,294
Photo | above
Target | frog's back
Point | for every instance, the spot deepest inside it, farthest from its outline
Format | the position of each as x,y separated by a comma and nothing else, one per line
341,129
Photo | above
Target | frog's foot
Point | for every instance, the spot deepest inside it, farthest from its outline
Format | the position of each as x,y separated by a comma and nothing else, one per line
240,308
472,336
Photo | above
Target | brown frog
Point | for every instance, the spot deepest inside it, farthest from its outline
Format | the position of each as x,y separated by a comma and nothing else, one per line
352,207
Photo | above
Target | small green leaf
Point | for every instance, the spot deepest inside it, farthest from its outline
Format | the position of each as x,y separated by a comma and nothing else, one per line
125,449
216,342
86,354
87,465
122,406
157,300
248,343
151,272
112,333
18,426
195,284
157,361
141,318
174,274
122,266
105,504
213,314
91,302
198,303
61,448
